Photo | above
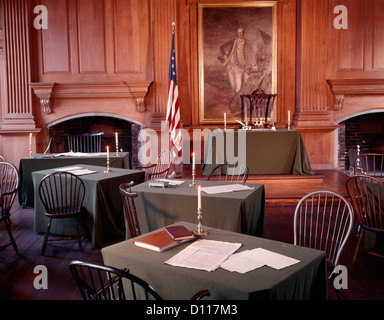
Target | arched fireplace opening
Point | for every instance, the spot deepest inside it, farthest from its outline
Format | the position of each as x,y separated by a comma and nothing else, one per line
128,133
365,131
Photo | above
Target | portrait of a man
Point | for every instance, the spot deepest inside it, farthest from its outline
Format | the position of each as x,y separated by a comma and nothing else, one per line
236,57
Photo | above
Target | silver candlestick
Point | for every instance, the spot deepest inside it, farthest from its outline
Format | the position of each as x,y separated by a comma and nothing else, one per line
200,232
193,183
108,170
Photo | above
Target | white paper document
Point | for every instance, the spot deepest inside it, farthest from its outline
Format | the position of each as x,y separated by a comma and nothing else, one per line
226,188
78,171
172,182
249,260
204,254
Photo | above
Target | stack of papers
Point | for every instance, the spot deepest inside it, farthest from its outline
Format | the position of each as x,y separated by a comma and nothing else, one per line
209,255
249,260
78,171
172,182
226,188
204,254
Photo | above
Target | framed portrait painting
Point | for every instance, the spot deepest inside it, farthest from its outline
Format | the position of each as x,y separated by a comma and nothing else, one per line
237,55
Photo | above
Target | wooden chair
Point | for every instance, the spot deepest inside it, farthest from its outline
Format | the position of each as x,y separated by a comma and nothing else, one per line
367,196
86,142
371,164
261,106
129,207
9,184
160,168
233,172
323,221
98,282
62,194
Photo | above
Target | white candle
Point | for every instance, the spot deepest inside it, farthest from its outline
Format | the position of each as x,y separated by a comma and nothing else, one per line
199,197
246,114
107,153
225,120
30,139
117,142
289,116
193,160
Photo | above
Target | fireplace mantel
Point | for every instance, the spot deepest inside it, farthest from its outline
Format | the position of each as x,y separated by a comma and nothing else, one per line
342,87
48,92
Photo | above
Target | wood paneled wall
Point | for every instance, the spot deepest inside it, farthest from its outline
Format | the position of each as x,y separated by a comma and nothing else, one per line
111,57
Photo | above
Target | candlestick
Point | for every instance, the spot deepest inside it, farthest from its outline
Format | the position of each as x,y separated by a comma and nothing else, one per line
199,232
108,170
30,145
193,171
117,144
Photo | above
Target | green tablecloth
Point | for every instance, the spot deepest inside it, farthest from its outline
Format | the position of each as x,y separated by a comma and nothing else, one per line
104,217
304,280
240,211
47,161
267,152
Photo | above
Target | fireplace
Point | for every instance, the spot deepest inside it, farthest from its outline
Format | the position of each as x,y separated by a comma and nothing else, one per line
128,133
365,131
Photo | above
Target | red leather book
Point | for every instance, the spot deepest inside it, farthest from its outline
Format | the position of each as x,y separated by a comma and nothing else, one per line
179,232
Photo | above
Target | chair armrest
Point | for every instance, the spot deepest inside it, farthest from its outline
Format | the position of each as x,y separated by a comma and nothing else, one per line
200,294
145,167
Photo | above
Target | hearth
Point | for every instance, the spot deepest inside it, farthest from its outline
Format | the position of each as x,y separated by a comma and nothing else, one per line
128,133
365,131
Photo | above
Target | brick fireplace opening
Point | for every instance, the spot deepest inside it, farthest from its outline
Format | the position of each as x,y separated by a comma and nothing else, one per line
366,131
128,133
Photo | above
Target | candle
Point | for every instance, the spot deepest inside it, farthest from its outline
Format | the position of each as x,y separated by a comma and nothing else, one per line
199,197
246,114
107,153
193,160
289,116
117,142
225,120
30,139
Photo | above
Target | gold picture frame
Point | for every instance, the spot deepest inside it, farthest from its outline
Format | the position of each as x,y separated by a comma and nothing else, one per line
225,73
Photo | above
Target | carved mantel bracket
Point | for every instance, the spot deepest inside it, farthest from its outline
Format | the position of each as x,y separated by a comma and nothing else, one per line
43,92
343,87
48,92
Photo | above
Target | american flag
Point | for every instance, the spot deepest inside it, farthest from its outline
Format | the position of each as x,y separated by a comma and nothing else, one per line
173,111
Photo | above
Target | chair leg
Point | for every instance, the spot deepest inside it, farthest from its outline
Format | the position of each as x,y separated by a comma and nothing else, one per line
13,242
78,235
46,237
358,246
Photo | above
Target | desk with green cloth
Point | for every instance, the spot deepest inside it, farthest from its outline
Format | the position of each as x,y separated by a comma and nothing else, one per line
47,161
239,211
104,215
304,280
267,152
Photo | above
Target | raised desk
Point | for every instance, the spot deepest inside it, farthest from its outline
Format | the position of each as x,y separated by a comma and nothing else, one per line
104,216
47,161
240,211
304,280
267,152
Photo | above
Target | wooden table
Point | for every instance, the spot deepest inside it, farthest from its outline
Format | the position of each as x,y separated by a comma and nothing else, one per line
48,161
266,152
240,211
104,217
304,280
